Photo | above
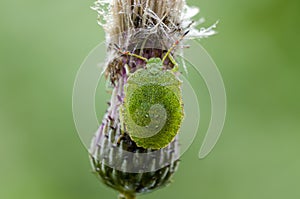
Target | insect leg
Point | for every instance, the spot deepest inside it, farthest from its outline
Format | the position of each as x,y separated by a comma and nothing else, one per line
176,67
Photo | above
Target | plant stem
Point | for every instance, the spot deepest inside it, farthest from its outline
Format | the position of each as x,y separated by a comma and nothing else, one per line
127,196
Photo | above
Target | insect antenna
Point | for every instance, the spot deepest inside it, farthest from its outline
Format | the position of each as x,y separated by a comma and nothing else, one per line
129,53
168,54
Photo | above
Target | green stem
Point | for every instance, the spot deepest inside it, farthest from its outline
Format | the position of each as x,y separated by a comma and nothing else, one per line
127,196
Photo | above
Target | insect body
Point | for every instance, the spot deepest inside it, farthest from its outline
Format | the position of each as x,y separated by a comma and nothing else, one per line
152,110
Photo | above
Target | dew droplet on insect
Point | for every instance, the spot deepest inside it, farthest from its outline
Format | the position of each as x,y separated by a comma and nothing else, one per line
154,71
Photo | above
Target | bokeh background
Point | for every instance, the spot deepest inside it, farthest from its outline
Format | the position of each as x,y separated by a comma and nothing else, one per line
43,43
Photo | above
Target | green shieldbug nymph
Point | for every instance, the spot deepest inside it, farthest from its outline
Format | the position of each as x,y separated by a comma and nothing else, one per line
152,110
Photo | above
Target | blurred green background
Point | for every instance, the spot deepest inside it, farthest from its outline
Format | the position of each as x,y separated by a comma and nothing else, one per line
43,43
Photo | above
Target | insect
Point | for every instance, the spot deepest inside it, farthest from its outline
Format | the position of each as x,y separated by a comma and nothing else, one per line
152,109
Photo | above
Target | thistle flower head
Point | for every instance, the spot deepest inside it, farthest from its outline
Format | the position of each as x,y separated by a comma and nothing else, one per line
118,16
147,28
146,24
